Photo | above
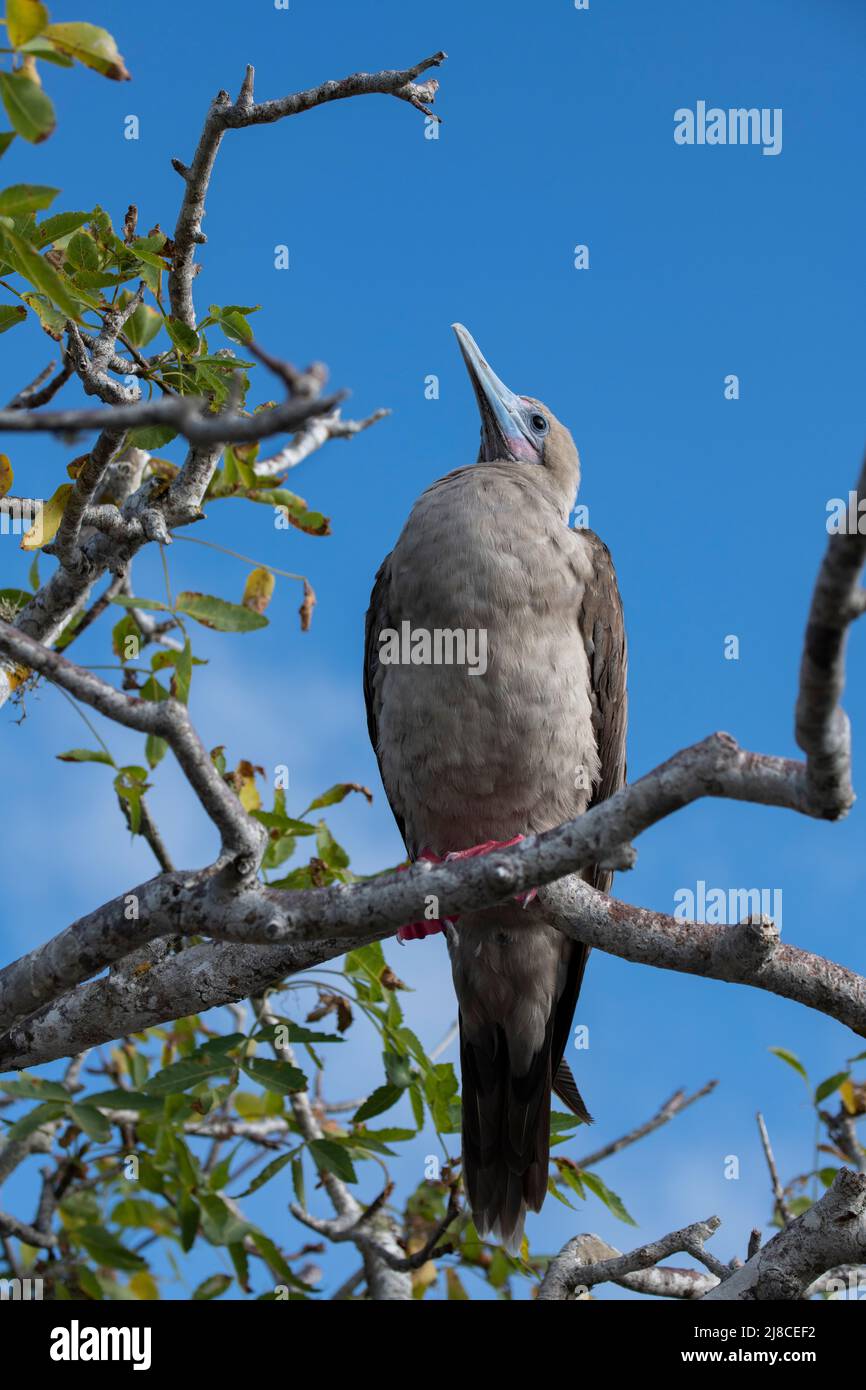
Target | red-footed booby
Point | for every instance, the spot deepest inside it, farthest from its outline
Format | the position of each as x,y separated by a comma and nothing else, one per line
495,680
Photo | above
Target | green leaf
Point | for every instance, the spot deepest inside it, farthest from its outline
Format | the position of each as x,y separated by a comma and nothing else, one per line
189,1217
337,793
220,1224
232,321
50,318
10,314
138,1212
791,1059
212,1287
269,1171
36,269
295,509
571,1178
276,1262
799,1205
368,961
35,1088
92,46
42,49
82,252
398,1069
218,614
329,851
613,1203
831,1084
26,197
554,1191
59,226
141,328
6,138
86,755
280,1077
126,1100
376,1104
295,1033
180,1076
183,673
15,597
332,1158
29,109
155,749
456,1291
441,1090
96,1126
39,1115
24,20
238,1256
106,1249
184,338
154,605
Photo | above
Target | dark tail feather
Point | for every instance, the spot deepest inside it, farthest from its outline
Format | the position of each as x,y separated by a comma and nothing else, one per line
506,1134
565,1087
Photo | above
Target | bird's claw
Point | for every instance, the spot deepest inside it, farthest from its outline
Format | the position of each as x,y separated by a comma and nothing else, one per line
416,931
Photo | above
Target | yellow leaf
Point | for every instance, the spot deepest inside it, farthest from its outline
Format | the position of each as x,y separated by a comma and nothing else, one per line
249,1105
92,46
245,783
143,1285
846,1091
24,20
422,1278
6,475
44,528
259,590
15,676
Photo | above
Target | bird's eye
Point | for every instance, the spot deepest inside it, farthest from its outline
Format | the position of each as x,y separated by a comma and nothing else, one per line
539,423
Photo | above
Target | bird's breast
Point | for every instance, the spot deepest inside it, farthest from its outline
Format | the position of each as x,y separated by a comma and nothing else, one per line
485,726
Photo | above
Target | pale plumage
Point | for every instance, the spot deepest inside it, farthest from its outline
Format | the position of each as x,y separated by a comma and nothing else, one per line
521,747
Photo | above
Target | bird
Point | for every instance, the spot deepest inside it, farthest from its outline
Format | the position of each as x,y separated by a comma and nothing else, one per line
473,757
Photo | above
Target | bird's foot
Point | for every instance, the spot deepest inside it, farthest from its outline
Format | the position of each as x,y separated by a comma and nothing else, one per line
416,931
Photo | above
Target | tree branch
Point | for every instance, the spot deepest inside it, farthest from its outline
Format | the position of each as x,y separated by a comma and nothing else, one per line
830,1233
567,1271
224,114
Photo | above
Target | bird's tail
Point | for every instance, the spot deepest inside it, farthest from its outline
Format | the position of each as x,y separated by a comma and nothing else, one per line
506,1130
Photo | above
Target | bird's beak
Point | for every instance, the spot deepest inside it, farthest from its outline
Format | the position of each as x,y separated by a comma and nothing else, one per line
503,433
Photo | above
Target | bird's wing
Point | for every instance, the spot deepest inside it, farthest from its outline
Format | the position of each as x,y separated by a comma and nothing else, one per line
603,632
377,619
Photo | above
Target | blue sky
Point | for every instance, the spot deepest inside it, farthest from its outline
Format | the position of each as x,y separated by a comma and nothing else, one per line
704,261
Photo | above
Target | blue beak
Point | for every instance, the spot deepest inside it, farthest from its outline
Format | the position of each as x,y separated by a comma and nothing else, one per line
504,434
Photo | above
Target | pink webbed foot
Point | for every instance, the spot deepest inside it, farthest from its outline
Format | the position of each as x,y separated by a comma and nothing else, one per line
416,931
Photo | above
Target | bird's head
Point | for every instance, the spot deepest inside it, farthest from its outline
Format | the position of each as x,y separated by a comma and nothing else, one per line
519,429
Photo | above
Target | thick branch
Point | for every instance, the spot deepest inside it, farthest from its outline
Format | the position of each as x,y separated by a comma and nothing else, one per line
190,416
830,1233
568,1272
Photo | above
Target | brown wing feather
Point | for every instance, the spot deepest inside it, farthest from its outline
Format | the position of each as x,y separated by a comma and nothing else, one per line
377,619
603,632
